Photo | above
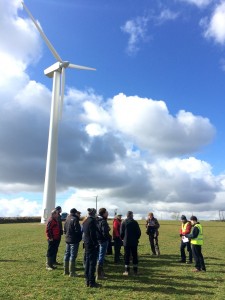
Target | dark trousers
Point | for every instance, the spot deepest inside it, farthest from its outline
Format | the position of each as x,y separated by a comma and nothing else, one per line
57,248
182,251
117,247
52,248
130,250
90,264
198,257
153,239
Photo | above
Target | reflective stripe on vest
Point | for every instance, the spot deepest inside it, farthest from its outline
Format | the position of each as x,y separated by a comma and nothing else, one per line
184,227
199,239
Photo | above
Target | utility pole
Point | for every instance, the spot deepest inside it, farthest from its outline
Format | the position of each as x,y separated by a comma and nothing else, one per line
96,203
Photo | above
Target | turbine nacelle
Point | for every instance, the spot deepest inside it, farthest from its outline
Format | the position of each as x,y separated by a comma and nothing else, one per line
56,67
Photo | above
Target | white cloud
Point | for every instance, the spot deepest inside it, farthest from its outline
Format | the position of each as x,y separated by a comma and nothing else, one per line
137,31
167,15
215,28
19,207
199,3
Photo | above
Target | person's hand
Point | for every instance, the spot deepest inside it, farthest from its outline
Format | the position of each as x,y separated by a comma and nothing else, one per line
50,240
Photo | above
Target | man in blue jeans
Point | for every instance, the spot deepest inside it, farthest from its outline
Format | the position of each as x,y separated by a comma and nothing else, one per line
103,240
72,230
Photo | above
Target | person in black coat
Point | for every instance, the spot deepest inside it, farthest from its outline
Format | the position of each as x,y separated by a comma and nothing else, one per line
73,236
91,247
103,237
130,233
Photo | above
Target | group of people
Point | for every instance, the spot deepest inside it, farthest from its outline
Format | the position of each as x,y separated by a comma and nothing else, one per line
191,234
94,231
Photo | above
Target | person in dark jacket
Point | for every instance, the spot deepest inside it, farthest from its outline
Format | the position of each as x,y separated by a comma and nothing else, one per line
53,236
103,240
130,234
59,210
73,236
196,237
117,222
152,229
91,247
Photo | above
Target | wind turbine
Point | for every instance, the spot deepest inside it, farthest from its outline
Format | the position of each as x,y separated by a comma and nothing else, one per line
57,72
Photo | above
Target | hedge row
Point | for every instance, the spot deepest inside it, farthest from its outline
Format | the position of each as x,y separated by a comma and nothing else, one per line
20,220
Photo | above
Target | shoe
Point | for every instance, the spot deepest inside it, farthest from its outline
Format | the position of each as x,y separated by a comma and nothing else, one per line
94,285
57,263
203,270
153,254
125,273
196,270
188,262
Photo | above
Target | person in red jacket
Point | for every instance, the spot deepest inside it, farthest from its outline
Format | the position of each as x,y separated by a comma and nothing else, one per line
185,242
116,237
53,236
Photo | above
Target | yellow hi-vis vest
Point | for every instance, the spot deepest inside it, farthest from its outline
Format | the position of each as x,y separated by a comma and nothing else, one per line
199,239
184,227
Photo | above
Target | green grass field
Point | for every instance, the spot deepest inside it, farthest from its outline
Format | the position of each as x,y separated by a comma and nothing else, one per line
23,275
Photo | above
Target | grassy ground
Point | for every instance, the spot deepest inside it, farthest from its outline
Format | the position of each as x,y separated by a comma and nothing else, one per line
23,275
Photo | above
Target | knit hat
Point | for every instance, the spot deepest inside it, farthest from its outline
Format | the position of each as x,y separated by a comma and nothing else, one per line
73,210
183,217
91,211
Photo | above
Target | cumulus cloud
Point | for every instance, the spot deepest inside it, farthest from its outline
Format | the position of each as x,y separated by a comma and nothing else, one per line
137,31
215,27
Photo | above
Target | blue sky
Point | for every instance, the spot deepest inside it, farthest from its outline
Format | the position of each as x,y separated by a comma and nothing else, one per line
143,132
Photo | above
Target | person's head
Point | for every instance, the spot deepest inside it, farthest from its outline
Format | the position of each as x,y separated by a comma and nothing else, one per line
183,219
73,211
91,212
59,209
130,215
103,212
54,214
151,215
193,220
119,216
78,213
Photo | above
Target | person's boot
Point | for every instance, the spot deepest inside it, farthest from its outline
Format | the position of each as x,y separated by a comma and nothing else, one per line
157,250
99,274
127,270
135,269
66,268
72,269
103,275
49,265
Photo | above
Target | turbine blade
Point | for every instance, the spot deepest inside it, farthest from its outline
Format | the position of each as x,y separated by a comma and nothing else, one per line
81,67
51,48
63,75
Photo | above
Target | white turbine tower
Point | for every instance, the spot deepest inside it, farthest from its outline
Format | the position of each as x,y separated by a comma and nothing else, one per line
57,72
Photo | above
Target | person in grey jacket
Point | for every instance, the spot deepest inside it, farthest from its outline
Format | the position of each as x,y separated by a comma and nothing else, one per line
130,233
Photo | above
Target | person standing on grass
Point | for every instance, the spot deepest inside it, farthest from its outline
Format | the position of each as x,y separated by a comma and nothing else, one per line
185,243
73,236
152,229
103,240
196,237
53,237
59,210
116,237
91,247
130,234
